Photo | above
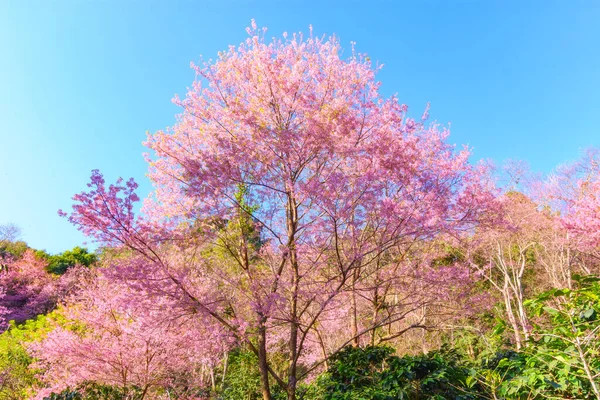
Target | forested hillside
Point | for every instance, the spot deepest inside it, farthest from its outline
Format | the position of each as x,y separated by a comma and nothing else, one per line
306,238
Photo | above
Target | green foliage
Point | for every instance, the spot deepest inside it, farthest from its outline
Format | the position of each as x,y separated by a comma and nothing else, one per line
376,373
242,380
16,376
452,255
15,249
239,238
94,391
566,349
60,263
524,375
244,224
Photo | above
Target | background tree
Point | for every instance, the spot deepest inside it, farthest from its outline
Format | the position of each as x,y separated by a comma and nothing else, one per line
9,232
27,289
117,337
574,190
505,255
10,246
59,263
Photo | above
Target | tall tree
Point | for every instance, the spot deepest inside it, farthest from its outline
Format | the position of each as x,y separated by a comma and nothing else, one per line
287,183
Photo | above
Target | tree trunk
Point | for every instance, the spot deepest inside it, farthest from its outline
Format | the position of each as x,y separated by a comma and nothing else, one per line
292,226
355,341
263,365
587,368
213,383
292,370
225,365
523,316
375,315
511,316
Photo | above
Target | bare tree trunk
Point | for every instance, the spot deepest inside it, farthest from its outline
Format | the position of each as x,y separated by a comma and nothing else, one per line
263,365
569,281
524,321
586,368
213,384
144,392
375,315
424,346
323,349
292,225
225,365
511,316
292,370
354,317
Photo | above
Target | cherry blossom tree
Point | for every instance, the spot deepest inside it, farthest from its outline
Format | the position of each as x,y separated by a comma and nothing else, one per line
125,339
574,189
287,186
27,289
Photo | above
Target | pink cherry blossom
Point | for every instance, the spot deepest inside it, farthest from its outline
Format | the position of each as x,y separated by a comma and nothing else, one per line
289,187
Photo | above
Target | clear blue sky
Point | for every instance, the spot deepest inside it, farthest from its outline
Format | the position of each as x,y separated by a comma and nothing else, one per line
81,81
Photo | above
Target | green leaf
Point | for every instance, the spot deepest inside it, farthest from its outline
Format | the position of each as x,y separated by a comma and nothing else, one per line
588,315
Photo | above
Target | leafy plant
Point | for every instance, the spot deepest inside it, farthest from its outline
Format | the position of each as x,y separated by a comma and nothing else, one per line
59,264
376,373
16,375
566,348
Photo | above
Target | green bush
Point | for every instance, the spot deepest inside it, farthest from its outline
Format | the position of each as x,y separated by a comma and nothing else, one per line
375,373
16,376
242,380
59,264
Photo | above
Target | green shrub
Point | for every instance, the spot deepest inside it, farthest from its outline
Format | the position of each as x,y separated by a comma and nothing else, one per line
16,376
375,373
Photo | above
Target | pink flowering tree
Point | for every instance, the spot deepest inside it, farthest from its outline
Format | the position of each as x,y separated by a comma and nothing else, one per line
26,289
4,311
289,186
574,190
120,337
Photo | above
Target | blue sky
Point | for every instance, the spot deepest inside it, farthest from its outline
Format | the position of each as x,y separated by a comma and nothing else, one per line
81,81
